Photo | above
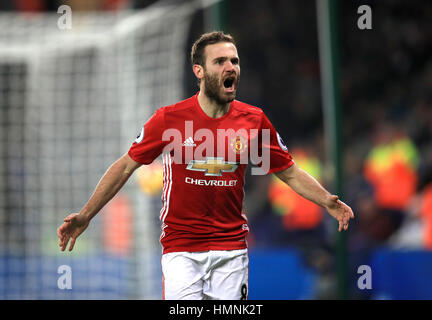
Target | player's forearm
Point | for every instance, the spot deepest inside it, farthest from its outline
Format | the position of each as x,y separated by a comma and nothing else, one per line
305,185
111,182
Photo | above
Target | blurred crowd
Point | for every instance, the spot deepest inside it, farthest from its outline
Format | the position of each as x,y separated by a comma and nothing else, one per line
386,97
386,100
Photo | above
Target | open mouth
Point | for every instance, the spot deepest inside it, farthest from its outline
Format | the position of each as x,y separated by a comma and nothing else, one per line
229,84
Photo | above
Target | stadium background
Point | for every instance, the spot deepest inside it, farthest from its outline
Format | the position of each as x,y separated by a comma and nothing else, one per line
72,101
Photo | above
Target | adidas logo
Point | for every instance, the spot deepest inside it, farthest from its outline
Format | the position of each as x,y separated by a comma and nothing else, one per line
189,142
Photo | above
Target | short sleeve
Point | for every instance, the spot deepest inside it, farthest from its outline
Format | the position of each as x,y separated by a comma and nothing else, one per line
149,145
280,158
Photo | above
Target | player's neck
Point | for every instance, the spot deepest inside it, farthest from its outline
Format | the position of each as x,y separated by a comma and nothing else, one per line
211,107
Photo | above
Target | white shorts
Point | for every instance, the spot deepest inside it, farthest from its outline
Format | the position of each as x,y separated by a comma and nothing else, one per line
205,275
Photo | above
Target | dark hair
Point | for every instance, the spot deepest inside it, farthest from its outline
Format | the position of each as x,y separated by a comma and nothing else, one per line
197,52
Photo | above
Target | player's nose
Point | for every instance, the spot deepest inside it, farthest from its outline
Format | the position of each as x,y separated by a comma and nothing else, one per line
229,66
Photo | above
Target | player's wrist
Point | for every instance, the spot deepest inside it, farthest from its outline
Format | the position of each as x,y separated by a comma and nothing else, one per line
328,202
84,216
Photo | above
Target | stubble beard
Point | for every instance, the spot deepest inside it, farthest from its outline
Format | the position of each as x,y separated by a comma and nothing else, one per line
213,89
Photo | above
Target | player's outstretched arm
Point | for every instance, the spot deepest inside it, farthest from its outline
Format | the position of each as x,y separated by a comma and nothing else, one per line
308,187
111,182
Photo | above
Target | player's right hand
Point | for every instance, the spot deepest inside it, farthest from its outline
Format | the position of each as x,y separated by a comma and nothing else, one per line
73,225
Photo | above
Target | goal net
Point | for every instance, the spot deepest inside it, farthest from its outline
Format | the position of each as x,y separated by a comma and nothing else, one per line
71,103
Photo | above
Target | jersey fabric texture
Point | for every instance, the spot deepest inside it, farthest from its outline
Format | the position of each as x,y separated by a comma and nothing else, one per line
204,172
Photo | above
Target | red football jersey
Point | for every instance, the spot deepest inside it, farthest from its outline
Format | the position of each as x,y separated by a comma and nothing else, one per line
204,162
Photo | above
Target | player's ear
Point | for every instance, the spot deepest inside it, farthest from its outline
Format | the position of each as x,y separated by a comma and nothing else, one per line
198,70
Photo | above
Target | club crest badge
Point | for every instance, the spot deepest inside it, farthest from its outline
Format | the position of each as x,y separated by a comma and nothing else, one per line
239,144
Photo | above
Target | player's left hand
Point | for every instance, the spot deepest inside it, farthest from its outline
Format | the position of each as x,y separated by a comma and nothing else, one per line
340,211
